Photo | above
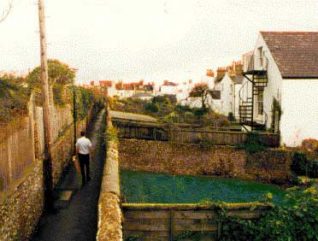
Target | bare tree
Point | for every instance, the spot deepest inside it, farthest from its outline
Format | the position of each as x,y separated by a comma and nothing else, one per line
5,12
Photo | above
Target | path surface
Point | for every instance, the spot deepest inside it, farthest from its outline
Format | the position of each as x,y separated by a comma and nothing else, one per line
76,219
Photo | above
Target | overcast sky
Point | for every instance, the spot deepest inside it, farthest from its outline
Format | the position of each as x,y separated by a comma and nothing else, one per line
146,39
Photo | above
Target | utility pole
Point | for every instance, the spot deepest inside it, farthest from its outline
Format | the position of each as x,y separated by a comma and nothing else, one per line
47,162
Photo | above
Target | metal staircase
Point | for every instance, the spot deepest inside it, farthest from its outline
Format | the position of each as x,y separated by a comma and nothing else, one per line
257,81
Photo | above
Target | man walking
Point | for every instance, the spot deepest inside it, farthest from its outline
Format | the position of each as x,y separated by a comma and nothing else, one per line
83,149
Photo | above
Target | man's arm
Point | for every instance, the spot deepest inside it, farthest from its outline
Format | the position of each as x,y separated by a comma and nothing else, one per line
76,147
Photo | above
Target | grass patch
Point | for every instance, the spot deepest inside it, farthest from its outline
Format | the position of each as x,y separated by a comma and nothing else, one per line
142,187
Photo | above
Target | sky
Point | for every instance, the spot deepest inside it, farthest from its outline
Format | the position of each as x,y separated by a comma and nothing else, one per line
145,39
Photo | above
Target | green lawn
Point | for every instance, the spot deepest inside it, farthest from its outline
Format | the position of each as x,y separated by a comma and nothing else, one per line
142,187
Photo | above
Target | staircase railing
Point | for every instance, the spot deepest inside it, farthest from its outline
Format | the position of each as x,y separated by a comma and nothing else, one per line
243,93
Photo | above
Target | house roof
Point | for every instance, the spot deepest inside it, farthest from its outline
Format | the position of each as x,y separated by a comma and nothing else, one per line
141,95
296,53
237,79
169,83
106,83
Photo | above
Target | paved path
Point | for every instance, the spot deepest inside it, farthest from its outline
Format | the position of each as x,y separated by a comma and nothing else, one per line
76,219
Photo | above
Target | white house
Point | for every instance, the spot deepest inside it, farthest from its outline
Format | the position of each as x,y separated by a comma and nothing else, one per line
183,90
168,88
282,73
228,83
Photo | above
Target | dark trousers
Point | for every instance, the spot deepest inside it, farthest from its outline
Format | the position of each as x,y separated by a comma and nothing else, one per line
84,164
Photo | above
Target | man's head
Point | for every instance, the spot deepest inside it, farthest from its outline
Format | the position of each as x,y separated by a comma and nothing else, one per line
82,133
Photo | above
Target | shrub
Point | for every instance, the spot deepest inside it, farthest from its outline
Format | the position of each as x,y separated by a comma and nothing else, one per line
310,145
252,143
111,134
295,220
231,117
182,108
300,164
313,172
13,98
161,99
151,107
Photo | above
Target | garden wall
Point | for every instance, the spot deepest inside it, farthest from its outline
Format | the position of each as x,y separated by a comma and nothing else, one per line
109,211
271,165
163,222
21,168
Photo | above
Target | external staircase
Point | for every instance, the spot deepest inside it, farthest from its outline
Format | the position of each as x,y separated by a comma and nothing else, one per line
257,81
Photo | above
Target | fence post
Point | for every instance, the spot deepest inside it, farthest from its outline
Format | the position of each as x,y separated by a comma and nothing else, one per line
170,225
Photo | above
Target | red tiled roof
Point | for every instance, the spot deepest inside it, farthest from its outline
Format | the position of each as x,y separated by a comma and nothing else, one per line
296,53
105,83
169,83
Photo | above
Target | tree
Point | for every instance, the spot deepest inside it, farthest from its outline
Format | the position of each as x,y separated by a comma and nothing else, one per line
201,91
59,74
6,11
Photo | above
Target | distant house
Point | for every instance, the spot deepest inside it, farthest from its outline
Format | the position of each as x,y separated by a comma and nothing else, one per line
142,96
227,85
168,88
107,87
183,90
281,85
126,90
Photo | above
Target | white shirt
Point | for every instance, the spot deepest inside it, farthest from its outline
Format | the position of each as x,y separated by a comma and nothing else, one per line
83,145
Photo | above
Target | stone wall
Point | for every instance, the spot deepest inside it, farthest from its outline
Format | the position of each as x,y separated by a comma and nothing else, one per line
269,166
63,149
21,204
109,211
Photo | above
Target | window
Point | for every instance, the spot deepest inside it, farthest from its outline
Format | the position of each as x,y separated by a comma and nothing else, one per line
260,101
260,54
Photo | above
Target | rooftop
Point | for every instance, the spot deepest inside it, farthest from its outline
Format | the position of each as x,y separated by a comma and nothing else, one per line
296,53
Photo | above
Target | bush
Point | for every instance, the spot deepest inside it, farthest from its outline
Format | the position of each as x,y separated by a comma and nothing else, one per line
299,164
313,172
310,145
295,220
183,108
151,107
161,99
253,143
111,134
13,98
231,117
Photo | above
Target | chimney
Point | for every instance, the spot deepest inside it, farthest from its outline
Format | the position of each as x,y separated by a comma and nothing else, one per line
210,73
238,68
221,71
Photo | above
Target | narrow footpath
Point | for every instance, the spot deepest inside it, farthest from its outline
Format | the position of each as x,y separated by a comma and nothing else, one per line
75,217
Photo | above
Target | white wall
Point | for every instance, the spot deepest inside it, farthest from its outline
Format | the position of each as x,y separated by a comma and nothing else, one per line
236,101
226,104
274,86
168,90
300,110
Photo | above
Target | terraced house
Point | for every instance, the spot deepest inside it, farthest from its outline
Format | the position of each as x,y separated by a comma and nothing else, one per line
280,87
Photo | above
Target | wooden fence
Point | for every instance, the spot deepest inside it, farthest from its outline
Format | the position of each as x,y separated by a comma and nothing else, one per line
164,222
215,137
175,134
22,141
141,130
